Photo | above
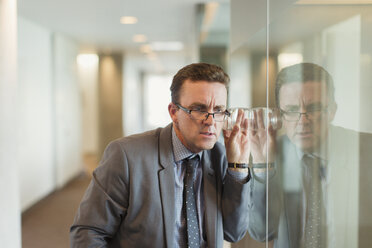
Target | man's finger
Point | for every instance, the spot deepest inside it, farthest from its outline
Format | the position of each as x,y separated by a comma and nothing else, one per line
226,133
260,120
234,133
239,117
244,126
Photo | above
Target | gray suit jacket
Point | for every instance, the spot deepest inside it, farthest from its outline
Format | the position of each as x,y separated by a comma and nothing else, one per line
130,200
349,166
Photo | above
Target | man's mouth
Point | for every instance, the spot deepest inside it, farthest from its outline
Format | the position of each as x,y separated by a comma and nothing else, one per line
304,134
208,134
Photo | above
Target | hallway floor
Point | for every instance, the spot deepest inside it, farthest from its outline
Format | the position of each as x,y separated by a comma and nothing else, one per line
47,223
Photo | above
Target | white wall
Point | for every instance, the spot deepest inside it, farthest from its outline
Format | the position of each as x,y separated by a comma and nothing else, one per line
240,88
10,228
134,65
68,105
365,110
49,112
341,45
36,144
156,99
132,120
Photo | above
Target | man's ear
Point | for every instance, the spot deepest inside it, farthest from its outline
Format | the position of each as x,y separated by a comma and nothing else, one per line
172,110
332,108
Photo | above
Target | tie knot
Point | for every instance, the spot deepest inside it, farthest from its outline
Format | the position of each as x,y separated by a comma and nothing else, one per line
312,167
310,160
191,163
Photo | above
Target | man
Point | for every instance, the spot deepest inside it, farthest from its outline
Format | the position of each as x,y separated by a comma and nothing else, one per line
146,192
312,169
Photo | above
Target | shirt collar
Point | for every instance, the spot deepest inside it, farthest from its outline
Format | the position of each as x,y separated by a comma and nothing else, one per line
319,153
180,152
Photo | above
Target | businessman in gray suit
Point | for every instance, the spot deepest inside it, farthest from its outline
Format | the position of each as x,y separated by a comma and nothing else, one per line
312,170
174,186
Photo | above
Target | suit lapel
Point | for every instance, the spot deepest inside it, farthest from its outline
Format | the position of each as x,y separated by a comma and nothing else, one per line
210,200
166,183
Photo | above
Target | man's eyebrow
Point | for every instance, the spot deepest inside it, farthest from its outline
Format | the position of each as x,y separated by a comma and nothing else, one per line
220,107
197,104
315,104
291,107
202,105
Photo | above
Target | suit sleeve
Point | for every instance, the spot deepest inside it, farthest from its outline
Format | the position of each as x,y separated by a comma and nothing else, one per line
234,197
234,208
258,208
104,205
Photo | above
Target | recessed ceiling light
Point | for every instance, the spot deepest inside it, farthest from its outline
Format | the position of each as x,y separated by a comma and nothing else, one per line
87,59
152,56
128,20
146,49
139,38
167,46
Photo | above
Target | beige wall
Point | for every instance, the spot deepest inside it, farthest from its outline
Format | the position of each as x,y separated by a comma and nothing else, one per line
110,99
259,85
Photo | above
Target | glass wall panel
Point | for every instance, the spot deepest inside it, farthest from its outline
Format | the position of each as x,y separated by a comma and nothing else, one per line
310,62
248,89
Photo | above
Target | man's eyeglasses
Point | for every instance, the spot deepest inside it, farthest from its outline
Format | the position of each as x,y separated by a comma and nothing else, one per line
195,114
312,113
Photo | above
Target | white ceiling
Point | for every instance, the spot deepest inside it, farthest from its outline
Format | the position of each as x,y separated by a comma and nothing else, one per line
95,24
291,22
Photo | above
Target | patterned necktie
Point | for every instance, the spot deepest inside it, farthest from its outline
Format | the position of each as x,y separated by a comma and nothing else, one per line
315,213
193,239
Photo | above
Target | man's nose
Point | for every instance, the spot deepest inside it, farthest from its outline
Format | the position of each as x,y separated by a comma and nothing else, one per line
209,119
304,118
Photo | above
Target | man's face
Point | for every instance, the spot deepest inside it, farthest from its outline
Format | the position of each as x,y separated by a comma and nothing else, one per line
312,128
198,135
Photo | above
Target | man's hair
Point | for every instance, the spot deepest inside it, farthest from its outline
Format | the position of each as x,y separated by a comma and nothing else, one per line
302,73
197,72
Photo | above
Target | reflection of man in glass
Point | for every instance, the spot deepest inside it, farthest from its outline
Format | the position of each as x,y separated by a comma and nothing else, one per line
305,96
312,169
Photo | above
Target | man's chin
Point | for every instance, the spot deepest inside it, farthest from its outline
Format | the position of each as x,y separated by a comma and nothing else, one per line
206,145
305,144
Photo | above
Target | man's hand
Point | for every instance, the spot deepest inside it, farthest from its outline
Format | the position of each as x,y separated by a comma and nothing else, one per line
261,139
236,140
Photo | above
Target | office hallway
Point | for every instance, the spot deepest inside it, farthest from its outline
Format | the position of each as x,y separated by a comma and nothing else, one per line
47,223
